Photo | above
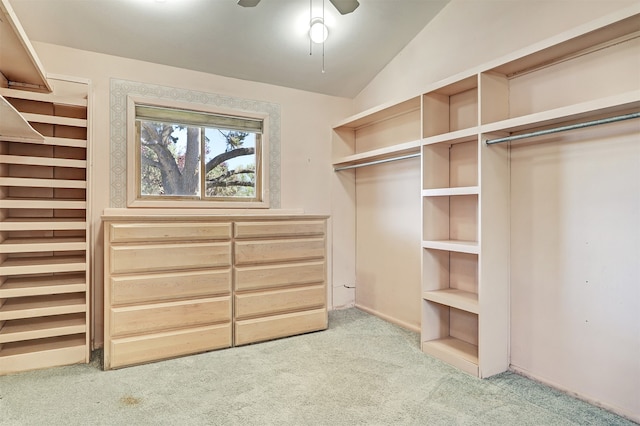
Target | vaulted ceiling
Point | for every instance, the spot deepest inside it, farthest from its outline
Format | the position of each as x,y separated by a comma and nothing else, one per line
268,43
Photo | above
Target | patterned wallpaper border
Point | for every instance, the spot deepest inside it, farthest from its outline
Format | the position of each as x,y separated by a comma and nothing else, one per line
120,89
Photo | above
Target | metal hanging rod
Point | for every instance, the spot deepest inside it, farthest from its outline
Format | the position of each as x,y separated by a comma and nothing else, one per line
565,128
371,163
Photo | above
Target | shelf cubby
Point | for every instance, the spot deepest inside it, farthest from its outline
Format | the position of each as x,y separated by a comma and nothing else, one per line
384,132
43,353
451,108
563,84
450,165
452,336
451,278
450,218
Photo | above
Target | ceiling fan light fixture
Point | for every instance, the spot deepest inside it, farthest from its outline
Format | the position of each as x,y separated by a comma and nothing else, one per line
248,3
318,31
345,6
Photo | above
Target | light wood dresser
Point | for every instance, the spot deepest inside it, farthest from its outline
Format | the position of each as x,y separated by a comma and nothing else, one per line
182,285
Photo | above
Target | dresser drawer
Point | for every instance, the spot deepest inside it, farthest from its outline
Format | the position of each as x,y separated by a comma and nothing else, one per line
289,228
166,286
273,327
270,276
135,350
267,251
164,257
140,319
278,301
162,231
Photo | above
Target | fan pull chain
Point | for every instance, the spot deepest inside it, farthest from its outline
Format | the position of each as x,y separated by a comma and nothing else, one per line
310,19
323,41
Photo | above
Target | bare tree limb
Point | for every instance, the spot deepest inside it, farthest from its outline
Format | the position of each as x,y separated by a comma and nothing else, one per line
220,184
221,158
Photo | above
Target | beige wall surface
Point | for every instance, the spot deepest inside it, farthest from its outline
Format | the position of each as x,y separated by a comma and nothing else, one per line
575,245
306,120
388,238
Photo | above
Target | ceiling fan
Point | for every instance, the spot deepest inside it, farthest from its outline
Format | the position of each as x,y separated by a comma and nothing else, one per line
343,6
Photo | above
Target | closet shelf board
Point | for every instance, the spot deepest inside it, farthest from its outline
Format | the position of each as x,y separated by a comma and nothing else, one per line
456,352
459,299
43,285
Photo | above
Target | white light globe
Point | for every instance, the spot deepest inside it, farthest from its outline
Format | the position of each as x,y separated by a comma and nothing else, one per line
318,31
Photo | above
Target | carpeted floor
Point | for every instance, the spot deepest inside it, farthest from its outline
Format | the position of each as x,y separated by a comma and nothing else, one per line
361,371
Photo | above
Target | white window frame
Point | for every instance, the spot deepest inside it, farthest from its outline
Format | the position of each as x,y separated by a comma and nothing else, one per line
133,158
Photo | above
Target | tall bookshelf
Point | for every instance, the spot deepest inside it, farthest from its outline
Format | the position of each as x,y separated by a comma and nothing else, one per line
44,228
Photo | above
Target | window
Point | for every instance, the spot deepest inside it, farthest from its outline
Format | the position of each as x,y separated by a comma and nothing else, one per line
194,158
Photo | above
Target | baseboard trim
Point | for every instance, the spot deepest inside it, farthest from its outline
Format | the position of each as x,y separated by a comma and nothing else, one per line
390,319
634,417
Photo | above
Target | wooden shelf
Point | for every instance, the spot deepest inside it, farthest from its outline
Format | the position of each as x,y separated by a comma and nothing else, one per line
381,113
38,203
41,346
13,126
470,247
42,327
445,192
454,298
43,183
42,265
459,136
53,119
578,40
30,245
578,112
74,143
42,224
43,97
453,351
407,148
39,306
43,285
43,161
43,353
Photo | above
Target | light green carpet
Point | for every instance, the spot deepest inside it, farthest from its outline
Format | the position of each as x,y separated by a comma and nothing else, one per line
361,371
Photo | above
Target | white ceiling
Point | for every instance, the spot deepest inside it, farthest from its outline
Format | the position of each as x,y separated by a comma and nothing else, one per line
267,43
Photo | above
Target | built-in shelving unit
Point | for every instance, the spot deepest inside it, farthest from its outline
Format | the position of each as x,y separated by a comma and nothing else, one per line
465,181
379,134
44,239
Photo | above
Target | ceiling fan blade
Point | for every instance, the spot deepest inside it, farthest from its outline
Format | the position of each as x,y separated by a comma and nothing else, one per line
345,6
248,3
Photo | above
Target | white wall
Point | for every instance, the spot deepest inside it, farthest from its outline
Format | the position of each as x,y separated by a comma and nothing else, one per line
583,337
306,120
